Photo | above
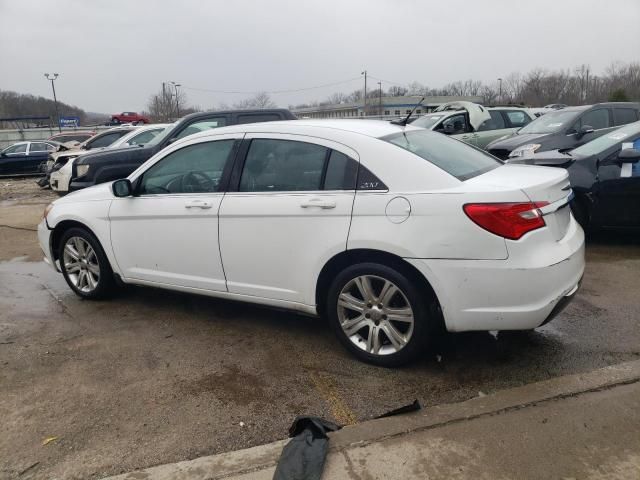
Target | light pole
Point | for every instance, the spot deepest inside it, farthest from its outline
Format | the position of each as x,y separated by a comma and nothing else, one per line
365,92
176,85
500,90
52,78
380,99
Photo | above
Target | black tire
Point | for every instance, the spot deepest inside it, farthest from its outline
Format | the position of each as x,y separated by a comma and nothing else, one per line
423,320
105,284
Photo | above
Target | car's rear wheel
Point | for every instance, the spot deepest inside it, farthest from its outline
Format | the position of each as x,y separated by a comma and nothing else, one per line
378,314
84,264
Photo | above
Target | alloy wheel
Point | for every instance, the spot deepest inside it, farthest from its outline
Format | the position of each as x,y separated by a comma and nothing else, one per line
81,264
375,315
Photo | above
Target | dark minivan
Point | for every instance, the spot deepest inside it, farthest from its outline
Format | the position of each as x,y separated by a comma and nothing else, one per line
118,163
565,129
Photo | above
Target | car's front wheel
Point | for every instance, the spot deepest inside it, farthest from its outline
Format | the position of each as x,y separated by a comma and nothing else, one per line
378,314
84,264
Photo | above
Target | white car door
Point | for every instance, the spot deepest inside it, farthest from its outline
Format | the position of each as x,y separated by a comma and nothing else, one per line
168,232
290,212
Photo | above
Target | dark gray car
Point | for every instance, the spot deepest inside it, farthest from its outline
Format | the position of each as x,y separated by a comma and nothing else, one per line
565,129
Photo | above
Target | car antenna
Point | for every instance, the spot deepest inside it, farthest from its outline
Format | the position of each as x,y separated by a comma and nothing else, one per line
405,120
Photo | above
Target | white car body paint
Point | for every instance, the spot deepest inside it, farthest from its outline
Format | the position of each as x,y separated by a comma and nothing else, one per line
270,248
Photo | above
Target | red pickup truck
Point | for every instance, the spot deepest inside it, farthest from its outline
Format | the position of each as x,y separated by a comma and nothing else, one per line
128,117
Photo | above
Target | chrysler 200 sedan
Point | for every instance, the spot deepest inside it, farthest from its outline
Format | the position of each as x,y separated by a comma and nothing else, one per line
391,232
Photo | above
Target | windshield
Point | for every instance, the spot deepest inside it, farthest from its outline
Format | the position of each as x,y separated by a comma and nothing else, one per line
609,140
160,136
428,121
550,123
453,156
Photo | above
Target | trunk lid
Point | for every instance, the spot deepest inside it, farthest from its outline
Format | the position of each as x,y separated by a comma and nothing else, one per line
539,184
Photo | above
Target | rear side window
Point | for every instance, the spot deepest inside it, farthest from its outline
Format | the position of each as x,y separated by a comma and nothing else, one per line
38,147
596,118
282,166
517,118
623,116
454,157
341,172
262,117
496,122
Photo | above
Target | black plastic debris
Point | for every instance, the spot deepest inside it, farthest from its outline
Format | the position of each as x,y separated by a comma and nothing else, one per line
303,457
412,407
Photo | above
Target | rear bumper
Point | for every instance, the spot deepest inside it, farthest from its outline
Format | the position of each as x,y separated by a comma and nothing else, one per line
513,294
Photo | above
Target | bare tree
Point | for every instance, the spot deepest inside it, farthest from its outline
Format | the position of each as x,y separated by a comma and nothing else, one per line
259,100
164,106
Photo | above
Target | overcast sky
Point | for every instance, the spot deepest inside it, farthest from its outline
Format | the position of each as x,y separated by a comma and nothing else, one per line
112,55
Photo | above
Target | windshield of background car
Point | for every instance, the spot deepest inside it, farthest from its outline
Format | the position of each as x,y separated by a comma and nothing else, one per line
604,142
551,122
454,157
428,121
160,136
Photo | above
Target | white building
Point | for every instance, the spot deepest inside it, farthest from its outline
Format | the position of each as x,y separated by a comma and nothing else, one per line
380,108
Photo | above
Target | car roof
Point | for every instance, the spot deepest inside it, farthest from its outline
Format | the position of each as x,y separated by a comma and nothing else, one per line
369,128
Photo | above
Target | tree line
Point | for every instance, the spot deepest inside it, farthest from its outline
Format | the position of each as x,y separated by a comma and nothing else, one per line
16,105
539,87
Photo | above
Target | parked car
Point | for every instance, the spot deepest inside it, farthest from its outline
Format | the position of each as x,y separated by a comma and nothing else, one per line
605,176
139,136
118,163
129,117
565,129
556,106
473,123
330,217
59,159
74,136
26,158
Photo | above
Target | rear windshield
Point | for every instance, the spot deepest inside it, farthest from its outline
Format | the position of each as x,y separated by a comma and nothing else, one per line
453,156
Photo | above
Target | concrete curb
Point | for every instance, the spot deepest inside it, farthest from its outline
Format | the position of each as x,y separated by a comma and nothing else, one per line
244,462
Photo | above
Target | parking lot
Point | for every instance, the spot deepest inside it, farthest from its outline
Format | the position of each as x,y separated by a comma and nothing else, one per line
153,376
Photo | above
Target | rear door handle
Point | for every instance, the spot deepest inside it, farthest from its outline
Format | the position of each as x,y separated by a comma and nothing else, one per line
198,204
318,203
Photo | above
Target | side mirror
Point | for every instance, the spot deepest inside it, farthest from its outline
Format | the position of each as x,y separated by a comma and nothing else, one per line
448,128
3,155
171,140
629,155
585,129
122,188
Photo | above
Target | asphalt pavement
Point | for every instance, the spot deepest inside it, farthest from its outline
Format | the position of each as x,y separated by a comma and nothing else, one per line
152,376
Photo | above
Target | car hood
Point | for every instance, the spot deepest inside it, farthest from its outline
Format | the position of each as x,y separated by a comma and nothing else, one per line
477,113
516,140
123,154
552,158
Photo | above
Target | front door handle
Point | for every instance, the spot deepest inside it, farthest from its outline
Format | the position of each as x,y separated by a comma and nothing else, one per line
198,204
319,203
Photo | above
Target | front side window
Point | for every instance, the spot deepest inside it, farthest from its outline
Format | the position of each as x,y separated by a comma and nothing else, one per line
454,157
193,169
595,118
105,140
202,125
144,137
496,122
21,148
454,124
38,147
282,166
517,118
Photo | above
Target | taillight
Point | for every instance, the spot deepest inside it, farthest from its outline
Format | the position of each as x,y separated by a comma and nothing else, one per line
508,220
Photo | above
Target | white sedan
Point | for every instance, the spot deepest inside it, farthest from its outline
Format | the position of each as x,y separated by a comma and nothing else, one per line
391,232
